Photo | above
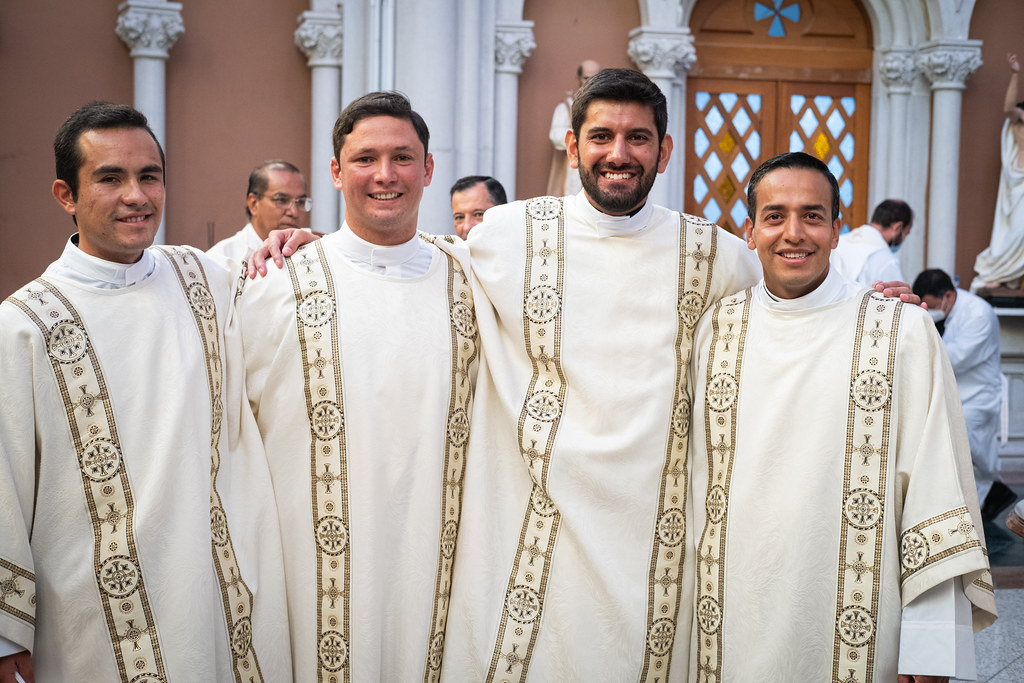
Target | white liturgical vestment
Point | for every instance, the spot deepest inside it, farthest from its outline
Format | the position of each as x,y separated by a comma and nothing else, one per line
1003,260
237,247
864,256
359,366
130,550
569,554
832,488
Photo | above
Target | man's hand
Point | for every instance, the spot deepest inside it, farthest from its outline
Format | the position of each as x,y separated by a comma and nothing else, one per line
278,245
15,667
901,290
1011,59
907,678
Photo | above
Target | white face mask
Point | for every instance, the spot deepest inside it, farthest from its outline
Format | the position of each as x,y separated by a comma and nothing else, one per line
937,314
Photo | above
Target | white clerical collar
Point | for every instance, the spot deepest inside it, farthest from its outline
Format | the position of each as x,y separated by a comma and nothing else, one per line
607,226
86,269
404,260
832,289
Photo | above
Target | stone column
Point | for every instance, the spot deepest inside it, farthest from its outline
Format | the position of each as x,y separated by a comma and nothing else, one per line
665,54
320,37
150,28
513,43
898,72
947,65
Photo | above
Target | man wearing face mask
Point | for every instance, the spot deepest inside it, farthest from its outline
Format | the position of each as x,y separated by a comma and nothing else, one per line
970,332
868,254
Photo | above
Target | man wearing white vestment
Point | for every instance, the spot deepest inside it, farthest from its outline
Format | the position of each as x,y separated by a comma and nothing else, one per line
132,470
360,360
836,530
868,254
276,199
1002,262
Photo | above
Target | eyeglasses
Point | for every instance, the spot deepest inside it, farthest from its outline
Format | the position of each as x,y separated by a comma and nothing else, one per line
283,201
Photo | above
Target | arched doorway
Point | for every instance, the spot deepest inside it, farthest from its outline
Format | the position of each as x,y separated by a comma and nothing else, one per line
775,76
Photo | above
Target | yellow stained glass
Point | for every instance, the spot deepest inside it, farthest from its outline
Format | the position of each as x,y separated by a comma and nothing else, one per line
821,146
727,144
726,189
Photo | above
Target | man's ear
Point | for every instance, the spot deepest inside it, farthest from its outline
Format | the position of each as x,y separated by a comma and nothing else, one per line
748,232
837,226
336,173
665,153
64,196
572,149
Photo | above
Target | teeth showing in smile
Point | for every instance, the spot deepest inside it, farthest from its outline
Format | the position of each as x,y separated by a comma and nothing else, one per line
134,219
618,176
793,254
385,195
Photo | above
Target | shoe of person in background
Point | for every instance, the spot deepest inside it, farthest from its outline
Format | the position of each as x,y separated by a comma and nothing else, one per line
999,497
1015,520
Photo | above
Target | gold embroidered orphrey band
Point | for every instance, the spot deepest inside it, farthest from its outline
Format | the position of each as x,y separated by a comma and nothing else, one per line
538,424
721,393
463,357
865,488
669,548
320,349
236,597
90,414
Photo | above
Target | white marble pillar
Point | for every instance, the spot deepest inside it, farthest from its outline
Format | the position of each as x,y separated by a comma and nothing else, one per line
947,65
513,43
150,28
320,37
898,72
662,54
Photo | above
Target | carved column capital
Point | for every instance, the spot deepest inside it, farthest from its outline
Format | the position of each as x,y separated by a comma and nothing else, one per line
149,27
513,43
320,36
662,53
898,68
948,65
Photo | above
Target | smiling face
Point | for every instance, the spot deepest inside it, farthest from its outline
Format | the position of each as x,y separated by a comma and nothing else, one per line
618,155
269,212
120,193
793,231
468,208
381,170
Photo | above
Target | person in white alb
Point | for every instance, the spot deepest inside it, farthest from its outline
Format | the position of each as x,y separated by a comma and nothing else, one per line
562,178
276,199
868,254
360,360
135,542
836,530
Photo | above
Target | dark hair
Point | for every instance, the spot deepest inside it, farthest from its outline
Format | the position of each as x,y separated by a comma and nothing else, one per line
391,103
494,188
932,282
791,160
93,116
1020,105
892,211
260,178
620,85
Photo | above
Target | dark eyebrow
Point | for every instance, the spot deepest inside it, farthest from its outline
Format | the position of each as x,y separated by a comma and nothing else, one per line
117,170
604,129
779,207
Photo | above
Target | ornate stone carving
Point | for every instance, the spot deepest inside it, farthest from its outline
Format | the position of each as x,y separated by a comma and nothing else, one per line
151,28
898,69
320,36
659,52
513,43
949,65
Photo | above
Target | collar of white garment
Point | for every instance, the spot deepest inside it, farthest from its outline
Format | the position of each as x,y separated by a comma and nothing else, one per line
90,270
830,290
607,226
358,249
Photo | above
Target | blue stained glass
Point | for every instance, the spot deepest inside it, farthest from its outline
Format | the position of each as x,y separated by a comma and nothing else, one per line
845,229
796,143
777,31
702,100
738,213
776,13
740,167
823,102
712,212
728,100
700,189
836,166
792,12
714,120
700,142
713,166
836,123
846,192
741,121
847,146
808,123
755,103
762,12
796,103
754,145
849,104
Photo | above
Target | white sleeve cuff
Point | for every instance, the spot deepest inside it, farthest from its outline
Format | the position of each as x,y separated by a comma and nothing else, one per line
9,647
936,636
